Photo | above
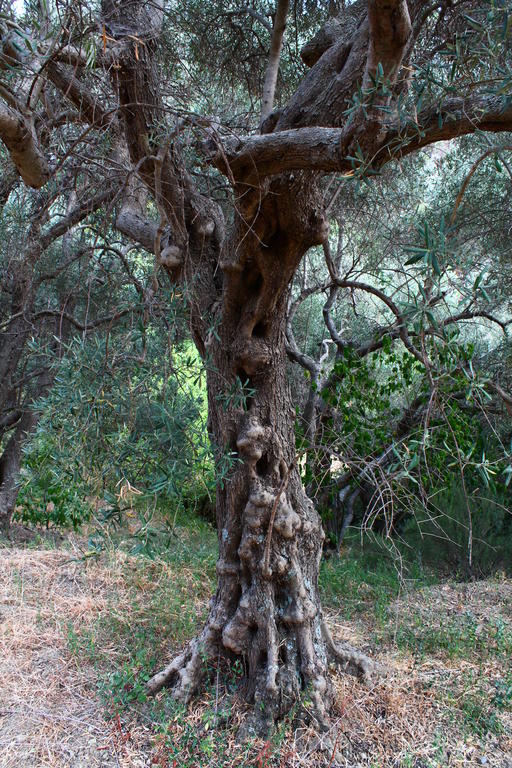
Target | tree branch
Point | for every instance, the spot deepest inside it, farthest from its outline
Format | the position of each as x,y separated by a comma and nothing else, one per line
401,325
64,79
390,30
75,216
137,228
18,134
77,324
276,44
253,14
328,149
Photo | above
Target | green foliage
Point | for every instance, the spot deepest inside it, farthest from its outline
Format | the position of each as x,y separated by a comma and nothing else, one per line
124,421
502,698
364,392
481,705
48,494
238,395
433,251
381,411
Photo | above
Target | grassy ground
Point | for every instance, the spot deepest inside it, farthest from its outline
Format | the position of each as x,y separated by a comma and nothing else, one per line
80,633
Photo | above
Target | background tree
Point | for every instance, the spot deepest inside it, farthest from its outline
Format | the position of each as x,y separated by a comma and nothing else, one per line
373,406
43,261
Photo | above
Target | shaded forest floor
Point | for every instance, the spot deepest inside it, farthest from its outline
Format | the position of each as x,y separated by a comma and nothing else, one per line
79,634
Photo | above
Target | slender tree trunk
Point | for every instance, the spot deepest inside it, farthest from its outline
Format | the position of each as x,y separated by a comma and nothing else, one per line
276,44
10,468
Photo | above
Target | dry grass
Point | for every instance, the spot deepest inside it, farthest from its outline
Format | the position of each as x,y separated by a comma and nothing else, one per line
50,713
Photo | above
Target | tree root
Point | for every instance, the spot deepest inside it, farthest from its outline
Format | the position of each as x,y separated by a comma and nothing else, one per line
186,671
352,661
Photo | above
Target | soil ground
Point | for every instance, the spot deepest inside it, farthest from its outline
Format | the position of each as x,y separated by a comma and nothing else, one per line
444,700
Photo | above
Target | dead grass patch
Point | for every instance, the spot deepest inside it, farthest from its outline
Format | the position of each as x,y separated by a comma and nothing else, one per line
49,712
67,625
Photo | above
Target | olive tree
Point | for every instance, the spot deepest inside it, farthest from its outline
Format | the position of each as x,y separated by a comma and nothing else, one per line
385,79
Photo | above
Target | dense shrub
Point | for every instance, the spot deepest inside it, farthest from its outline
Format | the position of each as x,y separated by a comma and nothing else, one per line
117,419
49,494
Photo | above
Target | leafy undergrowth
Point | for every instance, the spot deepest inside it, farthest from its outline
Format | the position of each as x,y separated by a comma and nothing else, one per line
82,628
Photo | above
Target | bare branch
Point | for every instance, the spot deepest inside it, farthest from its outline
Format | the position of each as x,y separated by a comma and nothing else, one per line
74,256
253,14
507,399
401,327
292,348
77,324
473,315
474,167
8,420
269,86
19,136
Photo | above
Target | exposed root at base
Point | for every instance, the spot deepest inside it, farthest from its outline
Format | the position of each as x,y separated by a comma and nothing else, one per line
352,661
185,672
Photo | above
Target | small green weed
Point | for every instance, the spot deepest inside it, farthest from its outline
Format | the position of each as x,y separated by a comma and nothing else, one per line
502,698
480,717
473,704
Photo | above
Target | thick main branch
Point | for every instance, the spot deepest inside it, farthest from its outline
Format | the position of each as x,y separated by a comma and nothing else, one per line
327,149
18,134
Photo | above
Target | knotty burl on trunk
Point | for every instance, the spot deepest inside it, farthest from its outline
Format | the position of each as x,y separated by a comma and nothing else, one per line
267,607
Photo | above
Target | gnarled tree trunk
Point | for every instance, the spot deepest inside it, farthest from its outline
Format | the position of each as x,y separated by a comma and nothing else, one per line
347,116
270,536
267,606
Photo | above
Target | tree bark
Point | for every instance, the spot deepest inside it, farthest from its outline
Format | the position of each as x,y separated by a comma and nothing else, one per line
19,136
10,468
267,605
276,44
